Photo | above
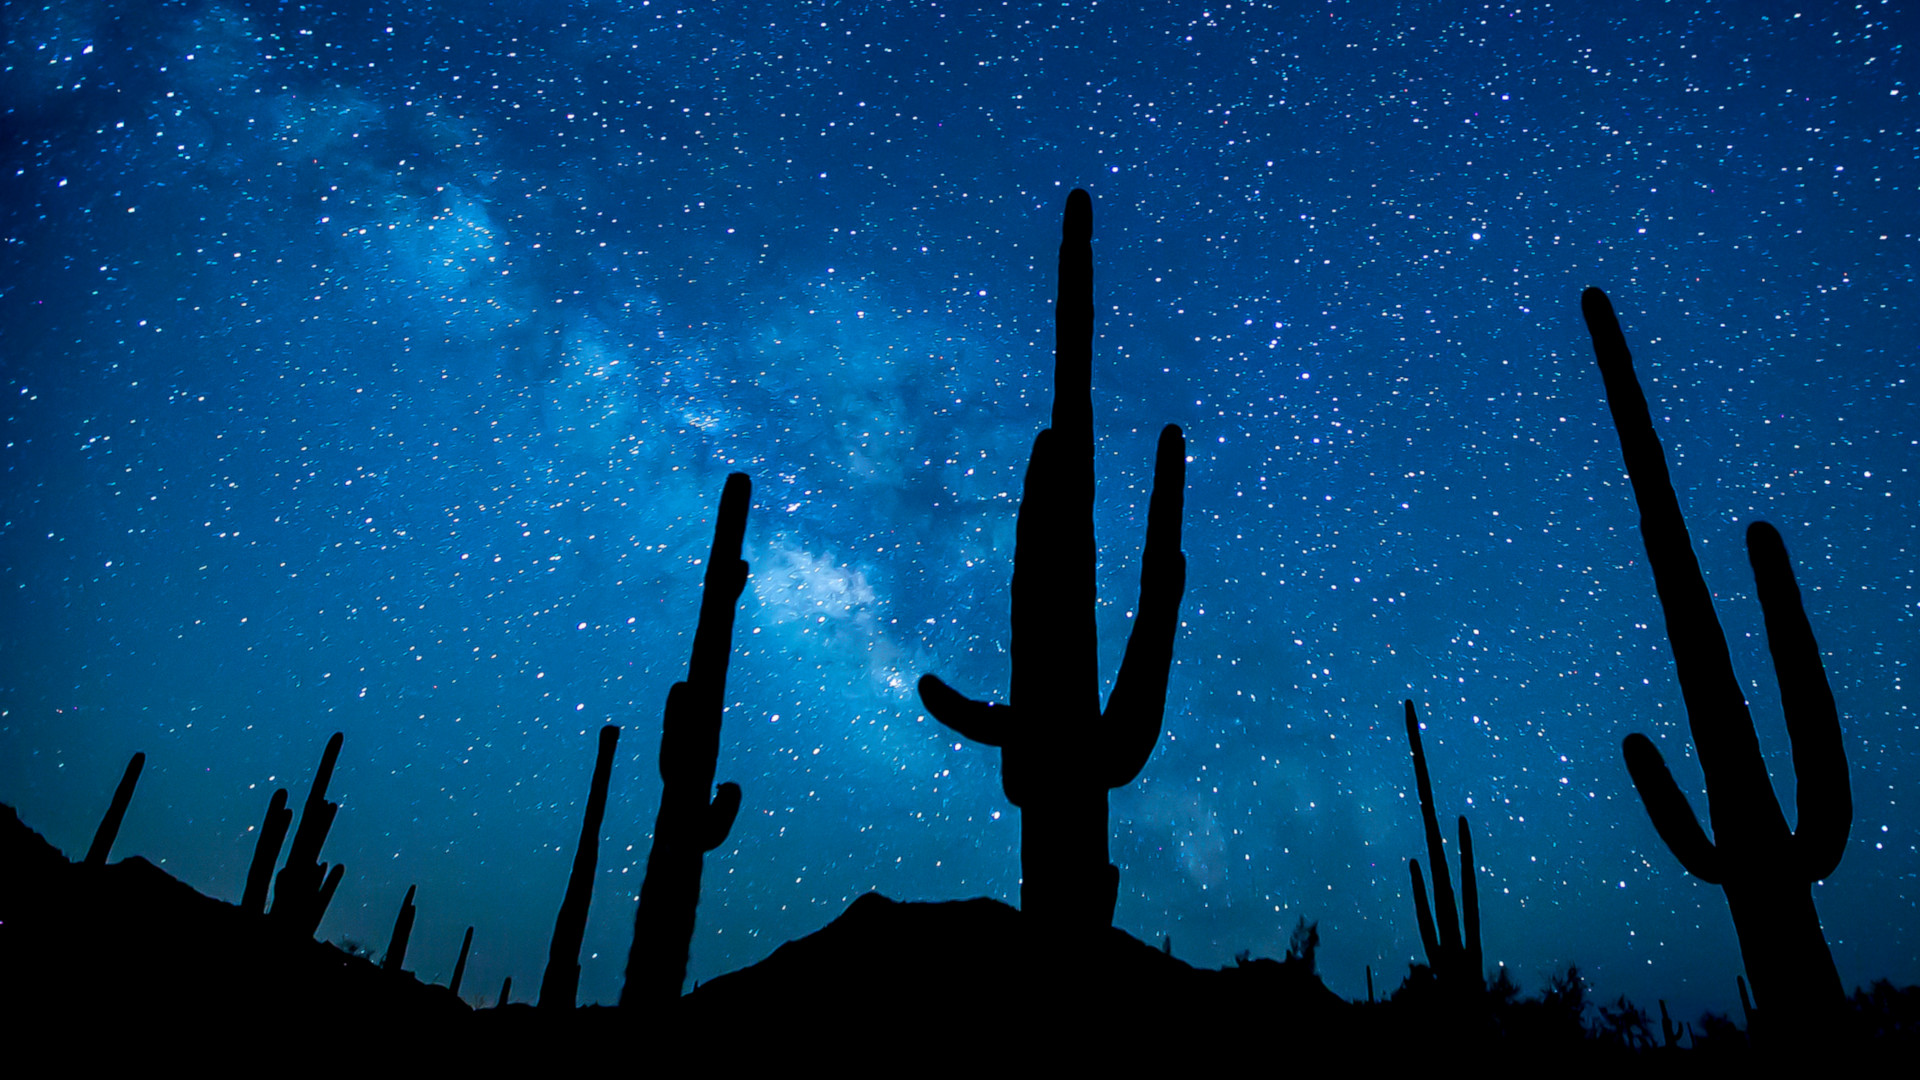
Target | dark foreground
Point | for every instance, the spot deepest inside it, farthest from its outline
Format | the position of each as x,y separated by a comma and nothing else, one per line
125,962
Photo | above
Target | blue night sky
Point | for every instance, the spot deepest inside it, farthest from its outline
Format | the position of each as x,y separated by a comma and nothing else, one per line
378,372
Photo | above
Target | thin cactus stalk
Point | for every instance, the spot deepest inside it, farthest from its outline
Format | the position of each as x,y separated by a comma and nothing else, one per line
1453,955
694,817
402,933
109,829
561,983
1766,869
305,886
1060,753
460,965
266,852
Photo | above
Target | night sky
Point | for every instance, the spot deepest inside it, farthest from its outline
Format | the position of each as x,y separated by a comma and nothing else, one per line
379,372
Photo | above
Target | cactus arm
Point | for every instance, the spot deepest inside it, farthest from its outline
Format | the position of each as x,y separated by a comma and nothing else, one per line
983,722
109,829
720,814
1424,914
1444,911
1137,706
1824,795
1672,817
1470,901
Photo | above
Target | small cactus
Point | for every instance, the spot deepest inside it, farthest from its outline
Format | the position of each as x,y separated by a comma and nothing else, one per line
402,933
1766,869
305,886
266,852
561,983
460,965
109,829
694,817
1060,753
1453,955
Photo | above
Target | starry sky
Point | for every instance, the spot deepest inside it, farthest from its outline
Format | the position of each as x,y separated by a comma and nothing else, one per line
376,368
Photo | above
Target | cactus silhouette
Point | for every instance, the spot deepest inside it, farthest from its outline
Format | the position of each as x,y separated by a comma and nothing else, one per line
460,965
109,829
561,983
305,886
1059,752
402,933
694,818
1453,955
266,852
1766,869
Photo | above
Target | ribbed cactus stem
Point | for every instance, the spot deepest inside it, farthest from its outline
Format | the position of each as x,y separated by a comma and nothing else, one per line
1060,752
694,817
1766,870
109,829
561,983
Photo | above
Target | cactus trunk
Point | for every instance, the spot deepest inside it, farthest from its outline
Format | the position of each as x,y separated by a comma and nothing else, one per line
694,817
266,852
109,829
561,983
1765,869
402,933
1060,752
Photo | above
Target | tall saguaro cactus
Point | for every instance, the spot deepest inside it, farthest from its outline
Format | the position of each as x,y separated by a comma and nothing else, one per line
1766,869
1453,955
305,885
1060,753
561,983
694,817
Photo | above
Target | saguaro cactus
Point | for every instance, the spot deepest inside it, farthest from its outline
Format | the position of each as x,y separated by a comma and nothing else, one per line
266,852
561,983
305,886
402,933
1453,955
1060,753
1766,869
694,818
109,829
460,965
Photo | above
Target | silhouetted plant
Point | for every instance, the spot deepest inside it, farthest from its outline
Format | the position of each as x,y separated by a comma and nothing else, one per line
460,965
266,852
402,932
109,829
1766,869
1304,943
694,818
561,983
306,885
1670,1032
1625,1024
1454,956
1060,754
